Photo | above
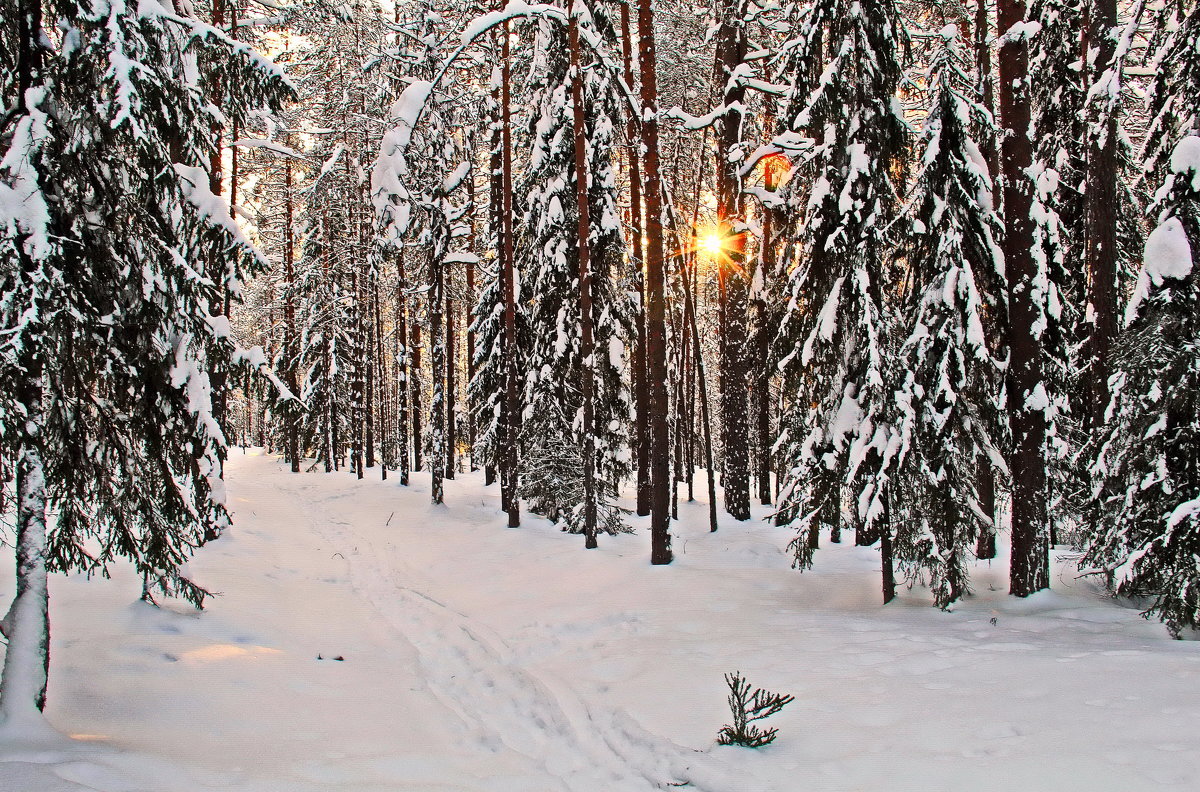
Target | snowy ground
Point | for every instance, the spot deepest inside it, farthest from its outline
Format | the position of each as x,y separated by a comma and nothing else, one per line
477,657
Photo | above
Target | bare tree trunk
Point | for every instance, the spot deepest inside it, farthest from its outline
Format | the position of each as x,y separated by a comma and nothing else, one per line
586,351
641,397
402,406
1100,206
732,276
512,403
415,393
290,341
689,306
451,384
656,338
1029,570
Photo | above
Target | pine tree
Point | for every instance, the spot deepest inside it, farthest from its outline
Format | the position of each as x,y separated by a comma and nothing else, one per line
947,379
834,333
548,256
1146,467
107,326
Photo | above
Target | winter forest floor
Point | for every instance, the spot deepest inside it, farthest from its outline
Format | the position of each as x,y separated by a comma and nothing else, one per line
478,657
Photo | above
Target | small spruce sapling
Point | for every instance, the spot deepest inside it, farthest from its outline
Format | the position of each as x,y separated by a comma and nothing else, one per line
747,708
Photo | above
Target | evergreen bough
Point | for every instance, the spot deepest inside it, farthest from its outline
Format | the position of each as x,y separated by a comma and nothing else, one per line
748,707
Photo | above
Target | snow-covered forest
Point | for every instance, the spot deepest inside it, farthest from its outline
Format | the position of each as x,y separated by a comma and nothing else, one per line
449,394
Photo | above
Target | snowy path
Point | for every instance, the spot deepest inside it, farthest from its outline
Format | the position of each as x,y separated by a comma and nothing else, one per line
482,659
471,668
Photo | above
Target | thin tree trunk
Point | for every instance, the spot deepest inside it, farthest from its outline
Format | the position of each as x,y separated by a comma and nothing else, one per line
656,339
512,404
1100,206
381,375
402,406
451,385
641,397
1029,570
689,306
290,342
732,276
415,393
437,354
586,351
27,624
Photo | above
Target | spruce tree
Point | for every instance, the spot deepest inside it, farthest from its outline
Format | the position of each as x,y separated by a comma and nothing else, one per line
843,70
947,380
106,316
553,431
1146,466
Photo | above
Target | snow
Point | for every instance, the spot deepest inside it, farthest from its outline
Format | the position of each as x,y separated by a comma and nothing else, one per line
476,657
1168,255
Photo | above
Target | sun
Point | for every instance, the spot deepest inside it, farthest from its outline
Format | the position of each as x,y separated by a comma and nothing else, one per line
712,243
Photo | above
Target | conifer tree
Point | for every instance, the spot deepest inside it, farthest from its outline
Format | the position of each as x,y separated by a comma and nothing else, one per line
107,332
1146,466
947,381
834,335
553,432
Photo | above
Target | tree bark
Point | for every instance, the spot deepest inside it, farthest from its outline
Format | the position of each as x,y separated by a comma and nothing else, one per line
27,624
291,420
512,402
732,276
1029,569
641,393
1100,207
656,338
586,351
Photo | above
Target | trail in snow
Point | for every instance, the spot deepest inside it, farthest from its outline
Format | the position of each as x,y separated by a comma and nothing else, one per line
482,659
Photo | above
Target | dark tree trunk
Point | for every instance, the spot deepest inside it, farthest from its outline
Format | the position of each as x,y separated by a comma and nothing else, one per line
290,341
689,306
641,393
512,432
451,386
587,386
1100,206
402,409
656,338
415,393
1029,570
732,275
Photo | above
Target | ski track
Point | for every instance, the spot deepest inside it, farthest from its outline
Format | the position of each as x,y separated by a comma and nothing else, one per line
583,747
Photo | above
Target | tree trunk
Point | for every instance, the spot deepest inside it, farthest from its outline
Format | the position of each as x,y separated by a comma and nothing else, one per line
689,306
402,408
437,362
1029,570
1100,206
451,384
512,403
641,393
656,338
290,342
732,277
27,625
415,393
586,351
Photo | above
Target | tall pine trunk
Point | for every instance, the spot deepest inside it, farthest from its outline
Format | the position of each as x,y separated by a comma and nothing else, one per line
1100,206
290,341
586,351
641,393
510,475
656,335
732,275
1029,569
